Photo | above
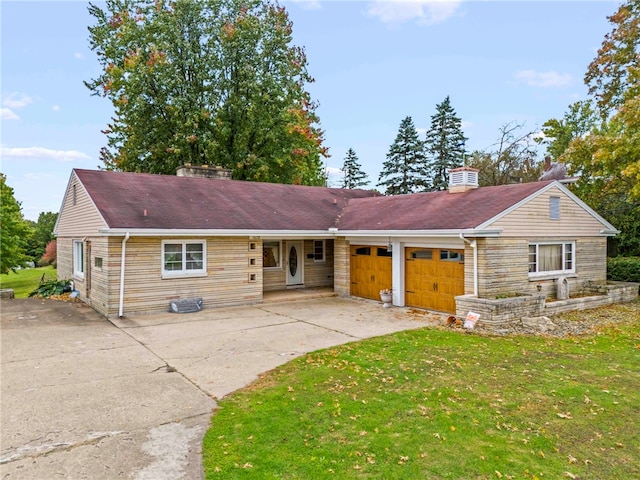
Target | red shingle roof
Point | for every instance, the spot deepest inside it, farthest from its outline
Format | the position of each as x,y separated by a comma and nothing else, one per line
173,202
434,210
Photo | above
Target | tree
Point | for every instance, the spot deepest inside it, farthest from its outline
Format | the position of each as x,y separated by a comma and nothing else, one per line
404,171
354,177
577,122
50,255
613,76
607,157
42,233
15,230
207,82
444,145
512,159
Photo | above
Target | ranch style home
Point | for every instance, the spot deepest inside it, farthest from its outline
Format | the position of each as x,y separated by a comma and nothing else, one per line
132,243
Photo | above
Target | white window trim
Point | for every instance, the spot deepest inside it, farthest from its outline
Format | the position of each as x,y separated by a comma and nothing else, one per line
324,251
554,273
184,273
279,267
78,260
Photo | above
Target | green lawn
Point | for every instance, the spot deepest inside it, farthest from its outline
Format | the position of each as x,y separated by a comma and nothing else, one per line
25,281
442,404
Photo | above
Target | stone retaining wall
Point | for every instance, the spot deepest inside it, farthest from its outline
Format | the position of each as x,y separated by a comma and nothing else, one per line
506,310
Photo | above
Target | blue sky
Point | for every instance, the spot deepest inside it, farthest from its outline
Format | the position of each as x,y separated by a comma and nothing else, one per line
374,62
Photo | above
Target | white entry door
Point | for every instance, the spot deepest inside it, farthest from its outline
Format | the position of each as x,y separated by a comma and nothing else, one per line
295,262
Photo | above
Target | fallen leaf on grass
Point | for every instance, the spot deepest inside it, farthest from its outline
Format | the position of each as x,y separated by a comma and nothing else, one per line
564,415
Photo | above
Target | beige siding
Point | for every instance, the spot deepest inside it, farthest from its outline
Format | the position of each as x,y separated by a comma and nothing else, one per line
341,271
79,219
318,274
532,219
503,266
227,282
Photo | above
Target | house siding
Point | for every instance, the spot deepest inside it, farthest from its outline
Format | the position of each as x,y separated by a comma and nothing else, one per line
227,282
316,274
503,266
532,219
80,219
341,271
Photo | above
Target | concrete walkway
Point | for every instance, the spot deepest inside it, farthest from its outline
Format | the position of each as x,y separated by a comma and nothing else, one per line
85,398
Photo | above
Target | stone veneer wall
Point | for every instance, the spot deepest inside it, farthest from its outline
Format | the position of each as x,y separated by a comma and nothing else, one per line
503,311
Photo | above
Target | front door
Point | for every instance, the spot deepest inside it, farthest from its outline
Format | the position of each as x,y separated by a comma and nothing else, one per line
295,260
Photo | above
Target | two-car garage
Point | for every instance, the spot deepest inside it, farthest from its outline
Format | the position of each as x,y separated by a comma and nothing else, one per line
433,277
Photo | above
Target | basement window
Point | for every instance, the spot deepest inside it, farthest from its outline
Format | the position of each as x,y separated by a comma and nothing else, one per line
185,258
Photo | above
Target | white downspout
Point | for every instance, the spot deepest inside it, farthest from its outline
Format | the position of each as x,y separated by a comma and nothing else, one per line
473,244
124,251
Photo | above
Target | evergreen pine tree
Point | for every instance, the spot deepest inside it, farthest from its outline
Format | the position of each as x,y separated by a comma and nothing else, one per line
444,145
354,177
404,171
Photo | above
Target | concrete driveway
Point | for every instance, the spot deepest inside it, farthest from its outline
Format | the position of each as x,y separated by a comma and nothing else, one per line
85,398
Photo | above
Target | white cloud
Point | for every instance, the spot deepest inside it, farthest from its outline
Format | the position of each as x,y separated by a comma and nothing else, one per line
425,12
8,114
78,56
40,153
333,171
55,108
15,100
543,79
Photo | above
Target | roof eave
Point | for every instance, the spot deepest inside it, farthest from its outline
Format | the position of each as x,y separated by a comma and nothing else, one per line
467,232
185,232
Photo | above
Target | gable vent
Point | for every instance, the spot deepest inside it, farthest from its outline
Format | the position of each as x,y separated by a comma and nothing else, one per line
463,179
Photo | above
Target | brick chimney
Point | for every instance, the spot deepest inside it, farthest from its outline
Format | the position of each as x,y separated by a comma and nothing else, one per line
203,171
463,179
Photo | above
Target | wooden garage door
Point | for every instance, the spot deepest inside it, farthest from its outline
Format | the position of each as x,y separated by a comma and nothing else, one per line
433,277
370,270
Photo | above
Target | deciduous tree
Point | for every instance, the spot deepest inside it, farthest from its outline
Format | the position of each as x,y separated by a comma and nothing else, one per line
512,159
15,230
206,82
578,121
444,145
405,169
614,75
354,177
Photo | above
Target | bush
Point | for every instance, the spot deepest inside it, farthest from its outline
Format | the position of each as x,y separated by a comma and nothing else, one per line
623,269
47,288
50,255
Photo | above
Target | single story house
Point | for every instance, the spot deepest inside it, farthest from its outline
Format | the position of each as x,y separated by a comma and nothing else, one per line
133,242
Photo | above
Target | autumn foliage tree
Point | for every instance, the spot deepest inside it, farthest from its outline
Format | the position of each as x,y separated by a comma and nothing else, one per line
50,255
606,159
206,82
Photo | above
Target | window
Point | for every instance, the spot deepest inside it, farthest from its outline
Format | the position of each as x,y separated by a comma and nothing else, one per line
98,262
383,252
271,255
318,250
422,254
78,259
363,251
554,208
184,258
452,256
551,258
